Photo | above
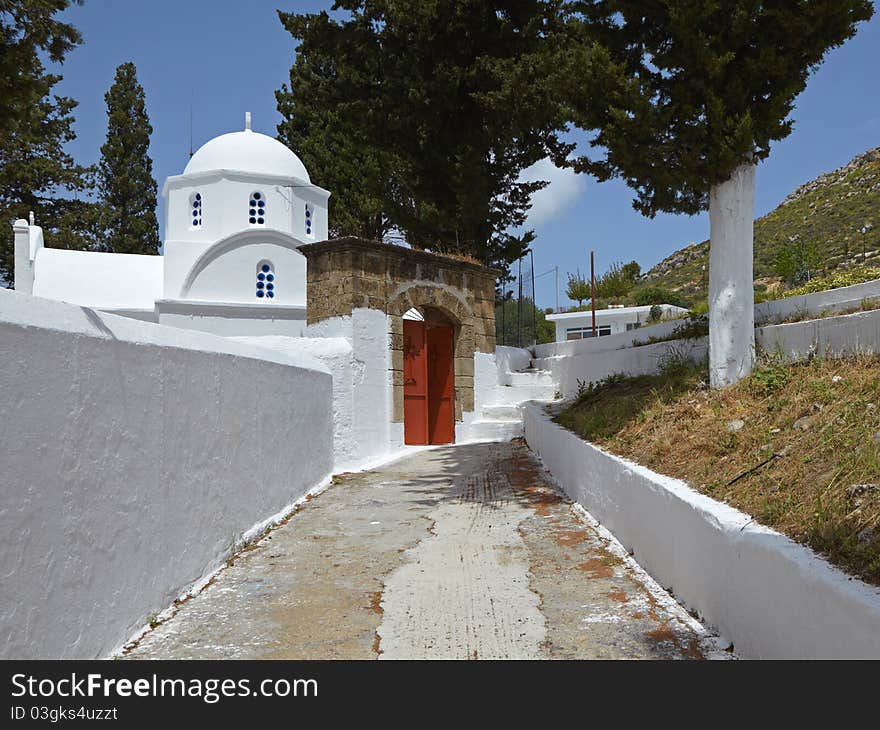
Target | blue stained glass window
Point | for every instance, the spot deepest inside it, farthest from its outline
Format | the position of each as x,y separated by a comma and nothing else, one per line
257,209
196,207
265,277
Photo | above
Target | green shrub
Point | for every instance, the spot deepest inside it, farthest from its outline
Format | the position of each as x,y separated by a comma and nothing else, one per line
658,295
838,279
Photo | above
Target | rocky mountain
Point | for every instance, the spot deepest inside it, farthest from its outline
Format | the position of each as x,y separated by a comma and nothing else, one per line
829,223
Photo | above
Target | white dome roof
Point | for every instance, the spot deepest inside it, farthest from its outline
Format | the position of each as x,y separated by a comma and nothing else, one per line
247,152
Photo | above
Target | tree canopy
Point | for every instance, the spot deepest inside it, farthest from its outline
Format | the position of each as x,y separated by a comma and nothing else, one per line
26,27
692,89
36,173
578,289
421,116
126,185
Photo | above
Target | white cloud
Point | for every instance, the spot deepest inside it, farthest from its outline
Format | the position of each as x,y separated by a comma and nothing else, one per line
564,188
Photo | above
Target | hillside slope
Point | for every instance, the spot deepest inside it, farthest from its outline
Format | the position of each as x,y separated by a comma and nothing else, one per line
816,229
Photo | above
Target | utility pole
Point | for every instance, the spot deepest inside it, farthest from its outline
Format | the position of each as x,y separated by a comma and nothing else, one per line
557,289
593,289
519,308
534,301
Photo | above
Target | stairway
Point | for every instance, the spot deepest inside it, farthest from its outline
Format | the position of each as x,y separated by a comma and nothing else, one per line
502,420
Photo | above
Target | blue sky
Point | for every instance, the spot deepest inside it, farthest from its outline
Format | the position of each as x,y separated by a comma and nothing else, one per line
225,57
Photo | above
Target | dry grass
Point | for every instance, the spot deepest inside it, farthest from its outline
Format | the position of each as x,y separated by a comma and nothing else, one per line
815,424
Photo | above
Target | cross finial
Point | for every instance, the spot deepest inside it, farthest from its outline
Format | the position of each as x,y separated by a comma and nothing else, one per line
247,121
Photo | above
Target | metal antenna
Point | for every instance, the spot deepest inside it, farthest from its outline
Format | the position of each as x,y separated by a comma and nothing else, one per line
191,104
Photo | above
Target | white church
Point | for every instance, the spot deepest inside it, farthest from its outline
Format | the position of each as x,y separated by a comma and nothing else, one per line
232,265
233,223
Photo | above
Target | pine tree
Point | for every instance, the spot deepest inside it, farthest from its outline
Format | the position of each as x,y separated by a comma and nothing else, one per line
27,26
420,117
36,173
694,94
126,185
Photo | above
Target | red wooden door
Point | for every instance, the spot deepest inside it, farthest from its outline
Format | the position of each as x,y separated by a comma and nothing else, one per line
441,385
415,385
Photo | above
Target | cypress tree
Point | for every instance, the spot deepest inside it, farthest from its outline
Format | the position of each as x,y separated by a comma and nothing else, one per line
693,94
126,186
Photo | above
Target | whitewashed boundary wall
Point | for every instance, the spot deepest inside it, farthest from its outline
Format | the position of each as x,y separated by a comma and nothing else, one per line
355,349
133,457
823,302
644,360
826,302
609,342
773,598
849,334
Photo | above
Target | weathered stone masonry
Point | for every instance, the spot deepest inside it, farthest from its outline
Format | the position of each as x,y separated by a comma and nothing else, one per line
348,273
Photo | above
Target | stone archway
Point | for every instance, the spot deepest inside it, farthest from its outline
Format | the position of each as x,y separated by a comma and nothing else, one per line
351,273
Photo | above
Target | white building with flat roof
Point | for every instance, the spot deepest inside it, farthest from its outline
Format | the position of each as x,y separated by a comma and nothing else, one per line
611,321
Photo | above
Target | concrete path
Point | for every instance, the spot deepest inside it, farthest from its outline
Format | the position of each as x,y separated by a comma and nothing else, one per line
459,552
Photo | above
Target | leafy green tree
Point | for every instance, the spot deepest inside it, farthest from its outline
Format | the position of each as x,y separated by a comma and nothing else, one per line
578,289
618,281
421,116
657,295
36,173
800,261
631,272
126,186
694,94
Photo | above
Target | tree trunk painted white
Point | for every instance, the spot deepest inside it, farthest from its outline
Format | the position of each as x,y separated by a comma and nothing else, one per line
731,286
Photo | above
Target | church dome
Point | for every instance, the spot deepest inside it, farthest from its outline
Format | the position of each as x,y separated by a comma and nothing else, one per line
247,151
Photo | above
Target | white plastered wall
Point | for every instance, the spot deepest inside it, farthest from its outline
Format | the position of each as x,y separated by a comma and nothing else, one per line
773,598
135,456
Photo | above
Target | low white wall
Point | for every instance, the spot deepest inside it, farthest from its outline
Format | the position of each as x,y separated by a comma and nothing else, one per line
609,342
133,458
848,334
815,304
771,597
593,367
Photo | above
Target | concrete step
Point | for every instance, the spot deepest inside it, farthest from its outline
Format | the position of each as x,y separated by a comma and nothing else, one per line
484,430
517,394
529,378
501,412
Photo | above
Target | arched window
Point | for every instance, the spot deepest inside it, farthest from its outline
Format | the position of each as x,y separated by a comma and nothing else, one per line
308,219
195,204
265,280
257,210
